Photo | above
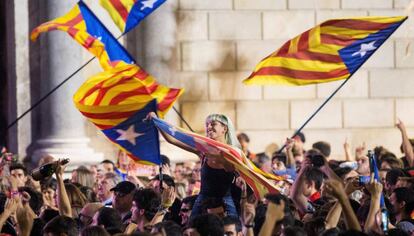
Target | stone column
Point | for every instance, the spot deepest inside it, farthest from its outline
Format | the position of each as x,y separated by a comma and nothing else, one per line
61,126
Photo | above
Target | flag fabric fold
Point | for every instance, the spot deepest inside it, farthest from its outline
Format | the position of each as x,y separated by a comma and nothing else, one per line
137,136
331,51
128,13
259,181
111,97
86,29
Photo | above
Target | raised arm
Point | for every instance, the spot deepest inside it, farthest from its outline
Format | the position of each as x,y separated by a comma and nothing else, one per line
347,150
408,149
290,161
65,209
336,189
173,141
332,218
375,189
296,195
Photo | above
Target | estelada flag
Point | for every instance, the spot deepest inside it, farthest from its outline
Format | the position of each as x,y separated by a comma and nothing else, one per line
259,181
331,51
86,29
137,136
128,13
111,97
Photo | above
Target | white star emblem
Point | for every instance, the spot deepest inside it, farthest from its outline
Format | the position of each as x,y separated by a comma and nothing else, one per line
365,47
128,135
172,130
148,4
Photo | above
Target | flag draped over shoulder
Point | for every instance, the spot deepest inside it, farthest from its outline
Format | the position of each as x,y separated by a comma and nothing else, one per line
86,29
259,181
331,51
128,13
137,136
112,96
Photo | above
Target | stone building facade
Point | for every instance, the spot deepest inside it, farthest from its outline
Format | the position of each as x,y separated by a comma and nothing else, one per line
207,47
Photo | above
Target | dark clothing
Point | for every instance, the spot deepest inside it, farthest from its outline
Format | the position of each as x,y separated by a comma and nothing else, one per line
174,212
215,182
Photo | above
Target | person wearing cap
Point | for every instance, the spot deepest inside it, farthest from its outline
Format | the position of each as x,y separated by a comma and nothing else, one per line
213,166
123,195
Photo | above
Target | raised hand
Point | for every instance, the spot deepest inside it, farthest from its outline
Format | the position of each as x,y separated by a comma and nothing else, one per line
276,211
335,188
400,125
168,197
373,187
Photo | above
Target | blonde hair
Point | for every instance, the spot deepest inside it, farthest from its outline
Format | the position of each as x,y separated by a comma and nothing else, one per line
230,136
85,177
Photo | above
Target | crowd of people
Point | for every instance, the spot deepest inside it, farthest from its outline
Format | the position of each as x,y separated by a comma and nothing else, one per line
318,195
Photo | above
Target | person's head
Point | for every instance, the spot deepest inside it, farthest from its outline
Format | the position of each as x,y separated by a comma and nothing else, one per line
244,140
196,172
19,171
145,204
108,218
232,226
94,231
207,225
299,141
263,162
167,182
87,213
313,181
48,214
391,179
279,161
390,161
61,226
220,128
363,165
165,160
186,207
315,226
104,188
76,197
293,231
48,188
166,228
323,147
399,198
123,160
108,165
83,176
123,196
36,199
179,172
89,193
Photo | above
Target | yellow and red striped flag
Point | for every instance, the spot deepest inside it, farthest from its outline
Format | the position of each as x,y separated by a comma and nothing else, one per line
331,51
86,29
111,97
128,13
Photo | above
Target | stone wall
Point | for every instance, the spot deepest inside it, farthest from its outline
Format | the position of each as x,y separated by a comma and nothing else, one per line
220,42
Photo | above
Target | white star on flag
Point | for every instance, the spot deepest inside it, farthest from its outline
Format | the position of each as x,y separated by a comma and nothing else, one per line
128,135
172,130
148,4
365,47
